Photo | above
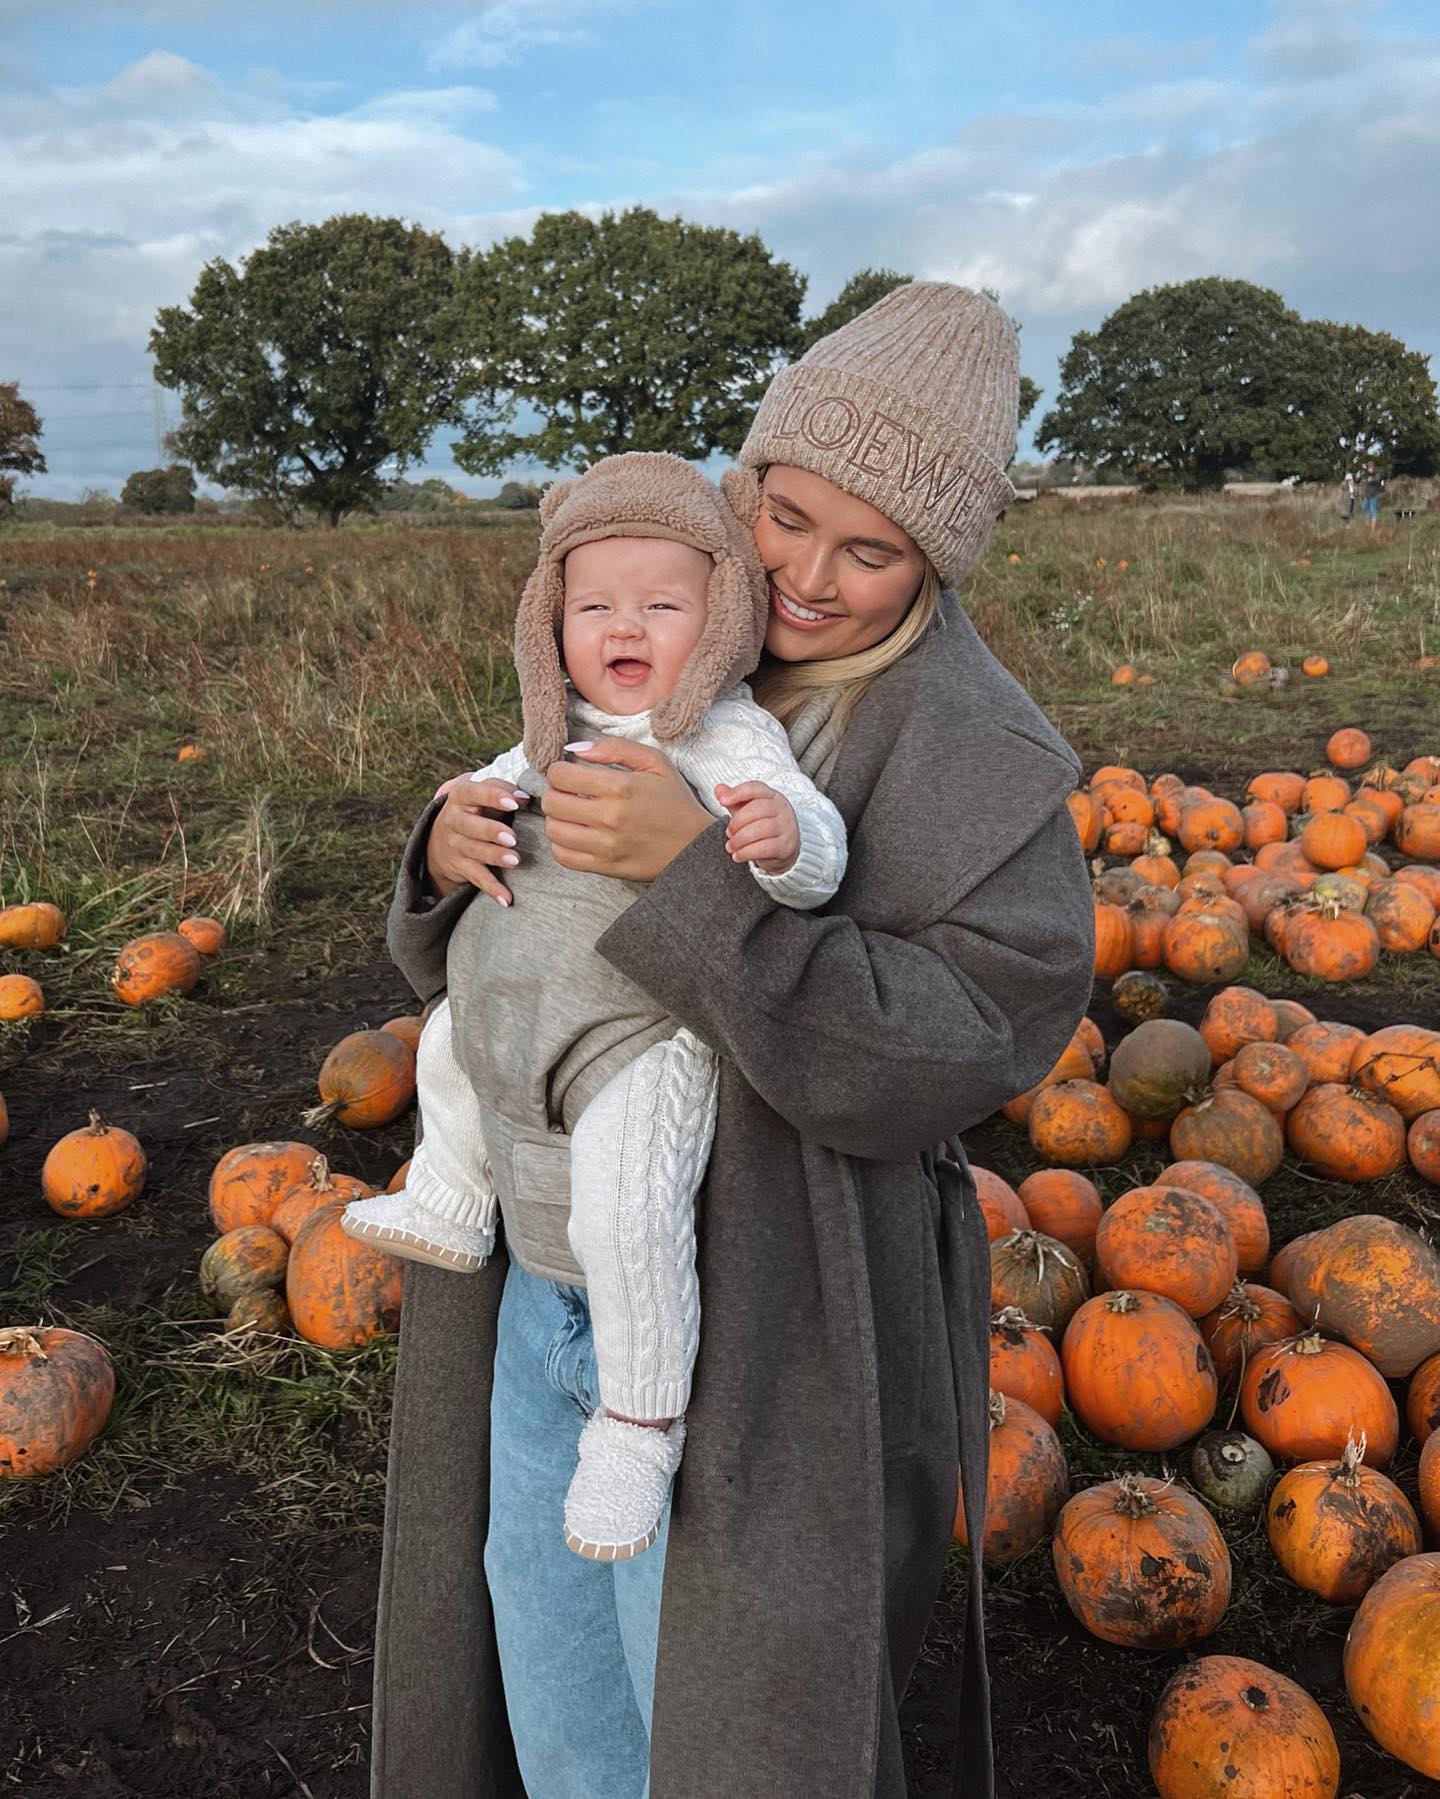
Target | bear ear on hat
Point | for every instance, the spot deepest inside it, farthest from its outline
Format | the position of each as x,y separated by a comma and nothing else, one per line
742,490
552,499
537,664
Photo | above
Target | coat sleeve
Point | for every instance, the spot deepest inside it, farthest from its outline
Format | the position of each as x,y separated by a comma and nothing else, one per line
874,1044
419,926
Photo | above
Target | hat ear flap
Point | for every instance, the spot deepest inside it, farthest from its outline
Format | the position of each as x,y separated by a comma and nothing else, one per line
537,663
741,488
552,498
727,651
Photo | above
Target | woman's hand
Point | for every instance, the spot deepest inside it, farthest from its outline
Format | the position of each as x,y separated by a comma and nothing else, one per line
470,837
629,820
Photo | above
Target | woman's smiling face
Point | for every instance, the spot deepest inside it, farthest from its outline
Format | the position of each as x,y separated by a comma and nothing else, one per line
841,575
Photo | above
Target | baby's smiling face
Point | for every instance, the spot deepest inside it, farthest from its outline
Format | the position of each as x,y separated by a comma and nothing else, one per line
635,608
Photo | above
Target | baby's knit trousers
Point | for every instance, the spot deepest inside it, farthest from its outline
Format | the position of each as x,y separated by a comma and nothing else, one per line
450,1174
637,1157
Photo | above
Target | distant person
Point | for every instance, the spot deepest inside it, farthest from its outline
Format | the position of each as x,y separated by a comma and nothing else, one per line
1371,488
1346,501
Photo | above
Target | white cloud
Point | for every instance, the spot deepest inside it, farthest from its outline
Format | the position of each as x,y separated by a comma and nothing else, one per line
503,30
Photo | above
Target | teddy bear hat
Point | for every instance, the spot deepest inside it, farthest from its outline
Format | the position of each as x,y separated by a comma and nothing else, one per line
645,494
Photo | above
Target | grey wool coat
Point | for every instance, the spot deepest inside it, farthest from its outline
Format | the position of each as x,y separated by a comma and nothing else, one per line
843,1263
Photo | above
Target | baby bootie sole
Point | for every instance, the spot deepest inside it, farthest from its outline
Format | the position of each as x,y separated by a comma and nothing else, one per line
409,1247
610,1552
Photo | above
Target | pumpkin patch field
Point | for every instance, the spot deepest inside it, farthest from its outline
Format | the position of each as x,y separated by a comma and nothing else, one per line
1215,1224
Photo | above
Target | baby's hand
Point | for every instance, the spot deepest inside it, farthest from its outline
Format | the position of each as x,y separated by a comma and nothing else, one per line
762,826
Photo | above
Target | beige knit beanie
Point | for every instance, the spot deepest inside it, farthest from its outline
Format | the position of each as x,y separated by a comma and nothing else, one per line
912,407
645,494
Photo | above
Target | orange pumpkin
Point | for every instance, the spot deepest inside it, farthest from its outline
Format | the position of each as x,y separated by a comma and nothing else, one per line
319,1189
242,1261
1335,1527
1328,941
1371,816
1426,879
1325,793
1088,1033
1037,1276
1422,1400
1251,1318
341,1293
1422,1145
1141,1564
248,1181
1065,1206
1000,1204
262,1309
1283,1261
1234,1017
1075,1064
1236,1201
206,934
1333,840
37,925
368,1079
1345,1134
1167,1240
1302,1400
407,1028
1374,1283
20,997
151,966
1402,916
1417,831
56,1390
1429,1476
1114,942
1290,1016
1077,1124
1263,822
1206,946
1026,1485
1326,1049
1024,1364
1089,819
1348,749
93,1172
1137,1372
1232,1726
1282,789
1271,1073
1392,1663
400,1176
1251,669
1400,1065
1212,825
1232,1129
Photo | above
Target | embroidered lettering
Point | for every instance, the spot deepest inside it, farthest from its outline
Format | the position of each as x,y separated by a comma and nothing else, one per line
932,473
847,421
789,425
872,454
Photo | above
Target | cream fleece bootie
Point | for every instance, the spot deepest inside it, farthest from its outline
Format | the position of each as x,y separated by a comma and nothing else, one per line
399,1225
618,1493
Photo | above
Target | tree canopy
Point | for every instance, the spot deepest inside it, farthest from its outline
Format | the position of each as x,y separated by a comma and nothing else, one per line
160,490
1189,381
627,332
332,355
20,452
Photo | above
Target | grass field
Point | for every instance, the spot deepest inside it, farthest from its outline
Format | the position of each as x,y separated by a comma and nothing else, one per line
189,1609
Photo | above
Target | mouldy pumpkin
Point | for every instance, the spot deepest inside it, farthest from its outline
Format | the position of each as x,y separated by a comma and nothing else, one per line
1400,1065
206,934
242,1261
1026,1485
1392,1663
1346,1135
1039,1277
1231,1128
248,1182
341,1293
1374,1283
1234,1017
407,1028
1326,1049
1236,1201
1303,1399
1336,1526
1250,1318
1167,1240
56,1390
1232,1726
1324,939
1231,1470
1137,1373
1159,1067
37,925
1077,1124
1065,1205
93,1172
1141,1564
319,1189
20,997
1024,1365
1429,1480
1422,1400
1205,947
151,966
367,1080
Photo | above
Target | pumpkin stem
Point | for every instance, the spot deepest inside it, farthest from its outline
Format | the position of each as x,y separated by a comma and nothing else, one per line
997,1409
98,1126
1012,1318
1131,1499
1351,1457
320,1175
1312,1343
22,1339
1122,1302
322,1114
1239,1304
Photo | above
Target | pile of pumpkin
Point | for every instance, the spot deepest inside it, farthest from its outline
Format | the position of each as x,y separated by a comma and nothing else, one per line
1298,865
1258,1075
1156,1308
149,966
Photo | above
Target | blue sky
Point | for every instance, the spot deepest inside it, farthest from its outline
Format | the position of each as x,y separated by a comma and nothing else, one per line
1067,155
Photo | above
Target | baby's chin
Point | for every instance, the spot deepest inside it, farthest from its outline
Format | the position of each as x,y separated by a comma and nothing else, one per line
620,699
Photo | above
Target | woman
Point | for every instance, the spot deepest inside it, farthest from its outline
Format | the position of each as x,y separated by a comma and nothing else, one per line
843,1264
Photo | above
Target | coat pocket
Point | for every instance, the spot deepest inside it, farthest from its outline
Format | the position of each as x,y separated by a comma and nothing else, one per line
537,1219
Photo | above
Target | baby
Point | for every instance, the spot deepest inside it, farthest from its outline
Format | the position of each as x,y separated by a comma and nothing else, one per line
649,587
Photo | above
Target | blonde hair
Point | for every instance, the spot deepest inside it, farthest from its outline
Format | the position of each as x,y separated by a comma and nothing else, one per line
783,688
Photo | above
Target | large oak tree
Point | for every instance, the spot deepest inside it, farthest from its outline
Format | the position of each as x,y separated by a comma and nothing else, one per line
20,452
319,370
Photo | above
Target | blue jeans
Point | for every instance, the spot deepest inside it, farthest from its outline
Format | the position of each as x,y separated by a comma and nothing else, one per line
577,1639
1370,506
